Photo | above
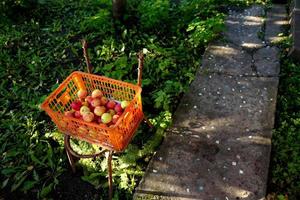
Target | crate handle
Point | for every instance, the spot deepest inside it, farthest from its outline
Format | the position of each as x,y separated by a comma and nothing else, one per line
140,68
86,56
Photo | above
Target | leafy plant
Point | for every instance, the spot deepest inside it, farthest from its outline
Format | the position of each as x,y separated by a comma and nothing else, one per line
32,162
204,31
101,22
153,12
285,163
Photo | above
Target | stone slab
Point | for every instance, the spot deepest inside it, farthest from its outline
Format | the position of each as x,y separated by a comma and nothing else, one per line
228,103
204,169
219,146
295,50
276,19
295,20
227,58
243,27
267,62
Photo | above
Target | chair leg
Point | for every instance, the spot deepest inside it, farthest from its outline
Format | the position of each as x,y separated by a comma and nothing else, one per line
69,155
110,192
71,160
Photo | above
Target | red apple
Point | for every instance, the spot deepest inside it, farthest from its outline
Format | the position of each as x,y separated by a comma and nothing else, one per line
76,105
69,113
97,93
118,108
115,118
111,112
88,117
89,99
77,115
81,93
103,101
96,102
106,118
99,110
111,104
84,109
119,113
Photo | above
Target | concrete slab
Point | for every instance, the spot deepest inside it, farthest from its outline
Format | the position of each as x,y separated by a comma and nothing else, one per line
295,31
276,19
267,61
203,169
220,142
223,57
228,102
243,27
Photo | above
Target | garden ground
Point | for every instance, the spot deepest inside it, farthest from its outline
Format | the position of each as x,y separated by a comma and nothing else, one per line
40,46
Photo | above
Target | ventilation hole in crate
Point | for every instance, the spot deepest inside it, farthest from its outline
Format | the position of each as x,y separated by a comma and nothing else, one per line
71,84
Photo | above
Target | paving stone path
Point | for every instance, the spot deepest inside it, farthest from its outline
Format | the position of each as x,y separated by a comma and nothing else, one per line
219,145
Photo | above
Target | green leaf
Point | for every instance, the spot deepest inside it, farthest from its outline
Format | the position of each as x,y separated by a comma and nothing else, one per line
74,51
281,197
124,181
35,175
8,171
20,180
28,185
46,190
93,178
4,183
35,159
50,157
162,100
146,81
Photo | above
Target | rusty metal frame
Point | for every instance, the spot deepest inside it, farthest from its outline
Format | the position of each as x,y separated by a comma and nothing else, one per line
71,154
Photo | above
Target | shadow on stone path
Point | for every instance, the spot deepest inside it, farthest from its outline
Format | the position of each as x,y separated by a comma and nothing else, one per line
220,142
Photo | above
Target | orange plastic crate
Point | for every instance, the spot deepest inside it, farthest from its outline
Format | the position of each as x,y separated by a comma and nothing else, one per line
113,138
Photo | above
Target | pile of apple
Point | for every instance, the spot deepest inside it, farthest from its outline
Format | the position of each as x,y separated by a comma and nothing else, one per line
96,108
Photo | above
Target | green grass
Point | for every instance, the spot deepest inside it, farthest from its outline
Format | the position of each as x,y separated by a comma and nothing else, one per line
40,46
